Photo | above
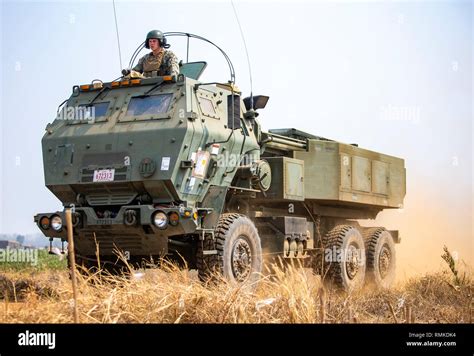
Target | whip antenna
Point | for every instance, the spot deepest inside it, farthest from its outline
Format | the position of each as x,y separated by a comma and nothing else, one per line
246,52
118,38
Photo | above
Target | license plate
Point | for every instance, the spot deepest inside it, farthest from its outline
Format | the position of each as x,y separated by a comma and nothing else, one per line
104,175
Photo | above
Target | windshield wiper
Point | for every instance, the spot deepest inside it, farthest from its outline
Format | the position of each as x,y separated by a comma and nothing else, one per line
147,93
95,97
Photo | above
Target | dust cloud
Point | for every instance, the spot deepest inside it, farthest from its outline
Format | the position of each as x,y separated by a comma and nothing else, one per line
430,219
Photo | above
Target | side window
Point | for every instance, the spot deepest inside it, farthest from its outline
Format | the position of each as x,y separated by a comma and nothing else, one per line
207,105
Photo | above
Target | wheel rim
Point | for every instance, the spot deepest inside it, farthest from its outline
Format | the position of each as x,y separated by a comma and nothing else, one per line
241,259
385,258
352,261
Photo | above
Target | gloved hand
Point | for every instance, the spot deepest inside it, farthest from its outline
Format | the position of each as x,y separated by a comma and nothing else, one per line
128,74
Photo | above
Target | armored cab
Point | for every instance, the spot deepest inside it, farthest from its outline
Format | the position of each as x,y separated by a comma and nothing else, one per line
171,167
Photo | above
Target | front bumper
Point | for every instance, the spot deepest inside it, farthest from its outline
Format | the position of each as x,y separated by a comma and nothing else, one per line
86,219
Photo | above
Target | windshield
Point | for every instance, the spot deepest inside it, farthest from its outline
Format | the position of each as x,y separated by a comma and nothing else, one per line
94,111
84,112
147,105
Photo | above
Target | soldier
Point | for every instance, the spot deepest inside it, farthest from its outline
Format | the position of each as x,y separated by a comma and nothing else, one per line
159,61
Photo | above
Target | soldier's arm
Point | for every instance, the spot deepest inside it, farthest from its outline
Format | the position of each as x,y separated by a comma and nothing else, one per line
173,66
139,66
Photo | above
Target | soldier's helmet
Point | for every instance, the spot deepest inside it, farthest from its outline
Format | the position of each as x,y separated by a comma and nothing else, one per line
157,34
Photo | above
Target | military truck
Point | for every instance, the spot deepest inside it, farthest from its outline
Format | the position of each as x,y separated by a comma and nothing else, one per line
172,167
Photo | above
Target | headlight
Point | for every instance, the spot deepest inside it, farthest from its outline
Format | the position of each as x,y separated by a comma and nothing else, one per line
56,223
160,220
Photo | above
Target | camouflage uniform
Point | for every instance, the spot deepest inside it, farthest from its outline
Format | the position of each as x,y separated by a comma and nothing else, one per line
164,63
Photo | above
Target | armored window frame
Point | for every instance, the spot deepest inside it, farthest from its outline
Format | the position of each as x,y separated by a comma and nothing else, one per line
206,102
98,119
127,116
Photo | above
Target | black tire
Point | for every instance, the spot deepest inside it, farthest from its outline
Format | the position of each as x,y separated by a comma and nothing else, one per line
344,258
381,257
239,251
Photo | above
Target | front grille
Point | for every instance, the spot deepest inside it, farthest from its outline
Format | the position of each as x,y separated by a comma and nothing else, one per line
110,199
107,193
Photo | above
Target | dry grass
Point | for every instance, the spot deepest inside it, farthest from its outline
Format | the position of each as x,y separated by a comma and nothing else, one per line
171,295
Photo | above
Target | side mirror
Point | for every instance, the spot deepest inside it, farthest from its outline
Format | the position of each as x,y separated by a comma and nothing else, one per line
259,102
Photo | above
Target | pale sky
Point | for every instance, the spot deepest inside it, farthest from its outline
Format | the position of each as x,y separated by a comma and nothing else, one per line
394,77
